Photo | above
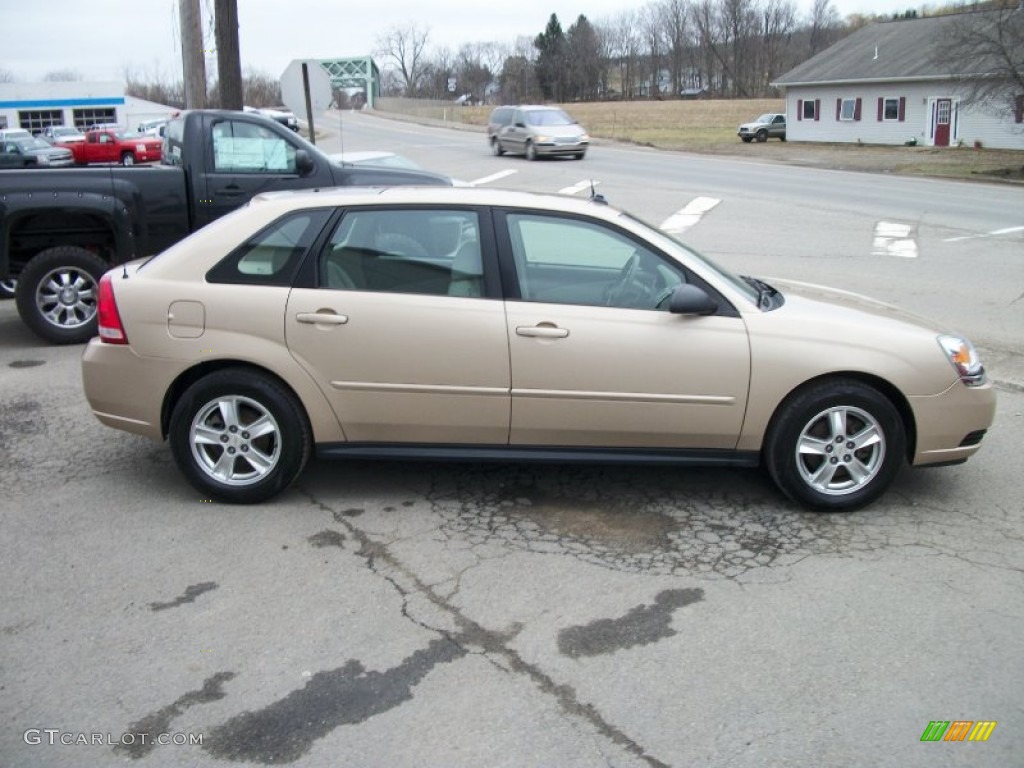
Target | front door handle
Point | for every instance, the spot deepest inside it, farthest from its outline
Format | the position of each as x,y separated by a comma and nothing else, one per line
321,318
542,331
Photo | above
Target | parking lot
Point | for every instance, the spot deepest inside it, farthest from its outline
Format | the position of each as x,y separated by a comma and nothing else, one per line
428,614
421,614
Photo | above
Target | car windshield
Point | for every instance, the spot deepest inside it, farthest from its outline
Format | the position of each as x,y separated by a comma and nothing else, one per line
735,281
767,117
549,117
30,144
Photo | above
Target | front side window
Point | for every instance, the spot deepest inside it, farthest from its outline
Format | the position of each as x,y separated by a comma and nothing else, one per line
273,255
571,261
434,252
244,147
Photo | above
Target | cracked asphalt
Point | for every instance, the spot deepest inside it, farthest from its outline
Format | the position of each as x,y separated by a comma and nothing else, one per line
406,614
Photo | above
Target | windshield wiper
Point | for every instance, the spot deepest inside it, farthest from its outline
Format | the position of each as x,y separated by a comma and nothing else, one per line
765,293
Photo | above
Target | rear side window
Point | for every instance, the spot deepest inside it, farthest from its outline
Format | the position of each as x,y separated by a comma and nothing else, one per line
173,138
274,254
501,116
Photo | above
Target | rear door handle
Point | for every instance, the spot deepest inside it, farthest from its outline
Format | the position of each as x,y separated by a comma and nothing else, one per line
542,331
321,318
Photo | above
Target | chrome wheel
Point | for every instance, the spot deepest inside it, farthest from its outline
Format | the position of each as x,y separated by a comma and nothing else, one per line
840,450
235,440
8,288
66,297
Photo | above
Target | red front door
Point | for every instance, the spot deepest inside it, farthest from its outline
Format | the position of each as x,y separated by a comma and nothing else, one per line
943,118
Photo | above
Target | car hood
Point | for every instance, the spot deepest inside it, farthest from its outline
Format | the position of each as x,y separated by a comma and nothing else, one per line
819,299
754,125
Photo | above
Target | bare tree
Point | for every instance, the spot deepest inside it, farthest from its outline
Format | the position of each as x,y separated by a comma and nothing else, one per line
62,76
823,24
403,46
778,22
653,32
675,17
987,48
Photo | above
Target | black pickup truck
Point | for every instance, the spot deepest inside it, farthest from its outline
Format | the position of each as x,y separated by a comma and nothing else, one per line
62,229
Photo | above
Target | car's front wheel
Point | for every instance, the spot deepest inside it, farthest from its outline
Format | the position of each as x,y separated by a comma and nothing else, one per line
762,136
127,158
835,445
239,436
747,139
531,151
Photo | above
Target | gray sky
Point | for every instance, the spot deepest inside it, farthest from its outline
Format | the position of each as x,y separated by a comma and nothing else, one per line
101,38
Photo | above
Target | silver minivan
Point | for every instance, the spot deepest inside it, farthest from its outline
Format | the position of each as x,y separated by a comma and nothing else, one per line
533,131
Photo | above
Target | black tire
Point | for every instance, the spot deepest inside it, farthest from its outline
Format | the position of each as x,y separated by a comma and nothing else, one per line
127,158
496,147
531,151
7,288
204,443
579,155
762,136
782,138
57,294
747,139
835,445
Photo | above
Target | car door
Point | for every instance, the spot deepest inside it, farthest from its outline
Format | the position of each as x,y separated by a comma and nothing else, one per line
597,360
402,325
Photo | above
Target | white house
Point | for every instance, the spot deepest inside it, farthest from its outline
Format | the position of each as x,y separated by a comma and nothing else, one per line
888,84
36,106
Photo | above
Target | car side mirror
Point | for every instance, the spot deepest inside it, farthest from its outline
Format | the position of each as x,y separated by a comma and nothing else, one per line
304,163
688,299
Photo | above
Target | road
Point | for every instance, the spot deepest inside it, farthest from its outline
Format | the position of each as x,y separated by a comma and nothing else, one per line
482,615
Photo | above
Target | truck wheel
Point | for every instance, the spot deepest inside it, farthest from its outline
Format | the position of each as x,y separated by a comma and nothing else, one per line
127,158
57,293
762,136
239,436
7,288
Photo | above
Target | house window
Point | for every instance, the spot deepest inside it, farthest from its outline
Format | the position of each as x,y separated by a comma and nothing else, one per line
847,109
86,118
36,121
809,112
891,109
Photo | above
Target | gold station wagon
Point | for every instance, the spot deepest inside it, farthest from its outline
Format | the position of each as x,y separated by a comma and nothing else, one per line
495,325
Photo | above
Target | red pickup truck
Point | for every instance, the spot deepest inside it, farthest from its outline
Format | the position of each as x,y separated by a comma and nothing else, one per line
111,146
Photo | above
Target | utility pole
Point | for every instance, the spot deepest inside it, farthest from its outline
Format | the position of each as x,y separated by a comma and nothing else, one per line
229,62
192,56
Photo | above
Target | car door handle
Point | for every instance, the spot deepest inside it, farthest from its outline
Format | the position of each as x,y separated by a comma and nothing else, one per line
230,191
542,331
321,318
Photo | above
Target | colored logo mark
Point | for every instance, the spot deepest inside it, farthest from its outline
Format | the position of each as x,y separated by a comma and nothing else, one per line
958,730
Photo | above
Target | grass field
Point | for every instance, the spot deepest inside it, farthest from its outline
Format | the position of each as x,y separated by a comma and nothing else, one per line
709,126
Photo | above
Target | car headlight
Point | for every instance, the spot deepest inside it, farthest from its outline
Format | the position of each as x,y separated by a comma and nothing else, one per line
964,358
543,139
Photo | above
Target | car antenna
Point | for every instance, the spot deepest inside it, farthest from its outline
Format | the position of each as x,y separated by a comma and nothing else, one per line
594,197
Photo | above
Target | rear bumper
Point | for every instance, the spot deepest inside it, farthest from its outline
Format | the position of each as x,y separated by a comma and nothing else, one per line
951,425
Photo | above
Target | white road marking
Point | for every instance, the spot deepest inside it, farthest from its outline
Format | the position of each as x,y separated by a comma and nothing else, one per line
686,217
993,233
892,239
492,177
579,186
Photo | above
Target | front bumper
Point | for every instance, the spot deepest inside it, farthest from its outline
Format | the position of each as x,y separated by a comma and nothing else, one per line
950,424
559,148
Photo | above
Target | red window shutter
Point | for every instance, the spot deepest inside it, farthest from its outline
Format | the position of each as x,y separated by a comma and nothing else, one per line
839,109
881,108
1018,108
856,110
903,107
799,109
817,109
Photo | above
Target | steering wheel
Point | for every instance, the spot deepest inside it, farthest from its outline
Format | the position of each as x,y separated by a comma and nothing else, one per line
624,280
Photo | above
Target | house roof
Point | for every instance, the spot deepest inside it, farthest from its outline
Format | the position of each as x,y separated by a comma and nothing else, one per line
889,50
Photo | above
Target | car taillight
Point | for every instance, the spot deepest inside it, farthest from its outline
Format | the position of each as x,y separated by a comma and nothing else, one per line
111,329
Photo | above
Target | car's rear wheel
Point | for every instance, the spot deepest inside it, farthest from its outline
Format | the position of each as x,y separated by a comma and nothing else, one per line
496,147
57,294
835,445
762,136
531,151
127,158
239,436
